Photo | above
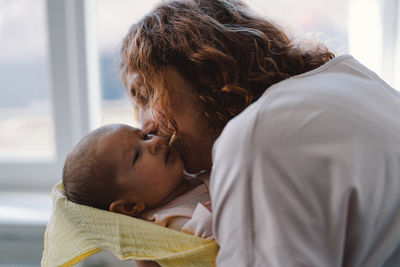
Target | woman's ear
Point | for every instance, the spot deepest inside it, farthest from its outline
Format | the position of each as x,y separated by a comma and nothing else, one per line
127,207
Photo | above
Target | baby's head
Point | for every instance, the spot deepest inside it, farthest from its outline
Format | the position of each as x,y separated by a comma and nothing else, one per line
121,169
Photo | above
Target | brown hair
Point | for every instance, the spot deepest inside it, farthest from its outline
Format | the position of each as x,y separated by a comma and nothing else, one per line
86,179
230,55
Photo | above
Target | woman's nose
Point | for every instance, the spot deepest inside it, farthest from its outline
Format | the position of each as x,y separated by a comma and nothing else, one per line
156,143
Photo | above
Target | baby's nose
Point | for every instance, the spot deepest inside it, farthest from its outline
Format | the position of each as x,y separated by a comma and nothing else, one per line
156,143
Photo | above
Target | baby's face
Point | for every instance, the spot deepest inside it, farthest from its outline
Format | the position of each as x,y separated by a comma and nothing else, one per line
146,168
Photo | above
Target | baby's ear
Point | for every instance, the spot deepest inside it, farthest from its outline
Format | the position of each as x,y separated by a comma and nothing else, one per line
126,207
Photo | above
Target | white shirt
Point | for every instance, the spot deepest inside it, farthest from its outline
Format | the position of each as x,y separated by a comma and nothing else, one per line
309,175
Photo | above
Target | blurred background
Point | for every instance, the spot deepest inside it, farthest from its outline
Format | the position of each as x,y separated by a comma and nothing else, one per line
59,63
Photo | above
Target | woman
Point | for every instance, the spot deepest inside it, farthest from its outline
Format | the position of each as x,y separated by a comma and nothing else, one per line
306,172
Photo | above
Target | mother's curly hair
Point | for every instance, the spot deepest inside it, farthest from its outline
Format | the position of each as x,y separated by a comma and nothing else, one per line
226,52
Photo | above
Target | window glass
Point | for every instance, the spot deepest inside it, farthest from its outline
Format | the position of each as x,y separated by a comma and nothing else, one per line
340,24
26,125
114,19
326,21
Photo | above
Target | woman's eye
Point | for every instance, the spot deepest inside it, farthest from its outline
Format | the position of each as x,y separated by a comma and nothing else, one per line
133,92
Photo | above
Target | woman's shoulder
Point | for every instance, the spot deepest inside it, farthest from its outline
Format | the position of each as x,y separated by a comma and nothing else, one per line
330,96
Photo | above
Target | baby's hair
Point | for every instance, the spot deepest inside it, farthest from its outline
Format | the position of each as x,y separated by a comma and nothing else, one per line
86,179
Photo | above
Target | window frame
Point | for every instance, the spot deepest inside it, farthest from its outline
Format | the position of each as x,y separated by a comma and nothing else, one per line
390,14
74,92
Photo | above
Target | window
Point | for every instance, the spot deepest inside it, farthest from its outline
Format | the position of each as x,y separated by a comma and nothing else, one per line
66,81
321,20
26,123
364,28
115,105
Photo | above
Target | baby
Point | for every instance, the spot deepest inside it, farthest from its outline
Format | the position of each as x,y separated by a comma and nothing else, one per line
122,169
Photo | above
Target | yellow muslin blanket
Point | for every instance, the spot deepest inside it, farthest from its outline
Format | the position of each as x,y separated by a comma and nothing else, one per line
76,232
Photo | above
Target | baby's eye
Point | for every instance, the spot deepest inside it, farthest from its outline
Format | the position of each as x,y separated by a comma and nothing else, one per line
135,157
145,136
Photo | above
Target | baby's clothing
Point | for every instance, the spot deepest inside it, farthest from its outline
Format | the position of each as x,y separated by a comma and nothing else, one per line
76,232
186,213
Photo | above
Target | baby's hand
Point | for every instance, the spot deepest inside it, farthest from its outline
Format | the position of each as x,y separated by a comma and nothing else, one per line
207,205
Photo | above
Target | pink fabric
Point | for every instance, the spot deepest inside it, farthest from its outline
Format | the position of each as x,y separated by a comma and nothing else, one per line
186,213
